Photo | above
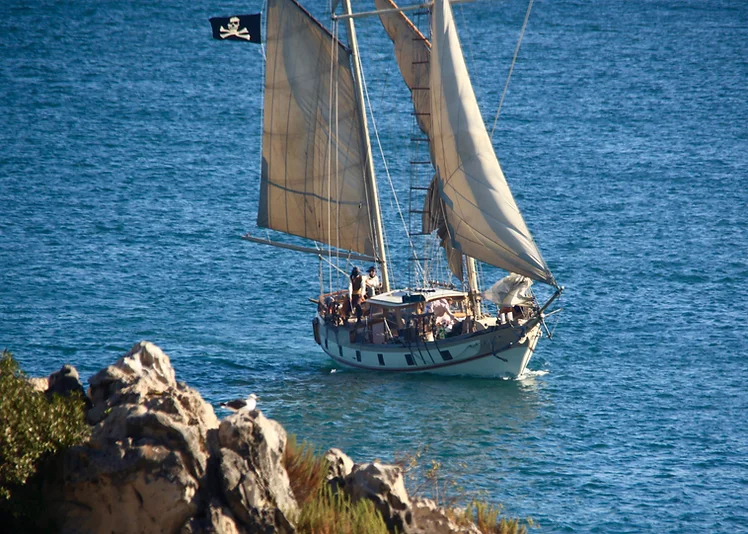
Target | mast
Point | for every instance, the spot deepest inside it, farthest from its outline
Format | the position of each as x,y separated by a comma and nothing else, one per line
473,292
370,178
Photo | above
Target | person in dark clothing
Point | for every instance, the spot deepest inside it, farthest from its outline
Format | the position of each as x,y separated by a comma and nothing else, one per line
356,288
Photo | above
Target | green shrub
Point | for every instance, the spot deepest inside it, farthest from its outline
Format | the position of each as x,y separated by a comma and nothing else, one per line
32,431
329,513
307,471
320,510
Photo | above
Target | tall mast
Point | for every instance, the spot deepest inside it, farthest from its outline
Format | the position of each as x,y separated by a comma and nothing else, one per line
371,181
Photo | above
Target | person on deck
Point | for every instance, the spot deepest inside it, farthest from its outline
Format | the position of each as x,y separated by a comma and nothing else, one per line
356,291
373,285
443,315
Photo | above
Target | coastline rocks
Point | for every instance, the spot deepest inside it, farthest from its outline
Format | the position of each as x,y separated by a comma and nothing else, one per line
159,461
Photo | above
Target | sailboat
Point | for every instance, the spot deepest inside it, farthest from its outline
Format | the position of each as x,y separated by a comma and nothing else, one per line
318,182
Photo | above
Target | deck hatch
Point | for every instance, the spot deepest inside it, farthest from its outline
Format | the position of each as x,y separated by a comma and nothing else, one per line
446,355
381,359
358,355
409,359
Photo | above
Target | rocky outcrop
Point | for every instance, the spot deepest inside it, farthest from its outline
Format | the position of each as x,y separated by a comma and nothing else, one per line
146,466
160,461
252,477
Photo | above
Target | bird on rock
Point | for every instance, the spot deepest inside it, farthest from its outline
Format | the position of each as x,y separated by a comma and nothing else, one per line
247,404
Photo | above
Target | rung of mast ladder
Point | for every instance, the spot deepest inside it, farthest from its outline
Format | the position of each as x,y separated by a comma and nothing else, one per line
420,163
417,114
420,88
418,211
420,259
419,188
420,62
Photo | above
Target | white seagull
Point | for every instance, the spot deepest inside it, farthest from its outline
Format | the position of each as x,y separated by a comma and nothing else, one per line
242,404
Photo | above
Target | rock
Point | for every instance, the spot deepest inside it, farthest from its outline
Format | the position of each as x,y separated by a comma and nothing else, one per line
340,464
145,468
431,519
384,486
216,519
66,382
339,467
126,488
40,384
252,476
144,371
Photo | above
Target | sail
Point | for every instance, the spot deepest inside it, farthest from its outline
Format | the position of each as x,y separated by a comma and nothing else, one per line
313,150
482,217
412,51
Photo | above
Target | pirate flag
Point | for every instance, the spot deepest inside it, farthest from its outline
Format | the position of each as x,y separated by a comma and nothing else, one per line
237,28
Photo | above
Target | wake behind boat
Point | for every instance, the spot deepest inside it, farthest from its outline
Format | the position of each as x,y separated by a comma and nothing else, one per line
318,182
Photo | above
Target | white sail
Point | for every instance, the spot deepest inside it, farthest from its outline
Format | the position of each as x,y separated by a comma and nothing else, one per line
313,151
482,217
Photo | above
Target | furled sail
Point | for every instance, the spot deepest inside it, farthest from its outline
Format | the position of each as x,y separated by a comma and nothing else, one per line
313,151
482,217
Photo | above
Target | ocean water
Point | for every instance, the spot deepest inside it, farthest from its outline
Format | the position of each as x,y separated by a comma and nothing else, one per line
129,169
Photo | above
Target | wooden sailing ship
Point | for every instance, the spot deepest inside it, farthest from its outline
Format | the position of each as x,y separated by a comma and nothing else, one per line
318,182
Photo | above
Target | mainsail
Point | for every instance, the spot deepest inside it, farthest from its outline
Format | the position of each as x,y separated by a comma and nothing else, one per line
483,219
313,150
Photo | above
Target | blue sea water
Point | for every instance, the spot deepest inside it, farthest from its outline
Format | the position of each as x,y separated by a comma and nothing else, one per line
129,167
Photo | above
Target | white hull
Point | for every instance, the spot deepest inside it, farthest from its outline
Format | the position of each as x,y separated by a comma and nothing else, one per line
495,352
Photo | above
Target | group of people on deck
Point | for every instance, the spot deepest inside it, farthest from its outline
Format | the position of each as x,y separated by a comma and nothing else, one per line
360,288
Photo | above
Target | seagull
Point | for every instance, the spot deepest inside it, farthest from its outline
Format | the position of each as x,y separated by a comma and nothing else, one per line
242,404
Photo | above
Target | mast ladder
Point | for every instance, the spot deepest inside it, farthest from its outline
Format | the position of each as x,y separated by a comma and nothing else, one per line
421,173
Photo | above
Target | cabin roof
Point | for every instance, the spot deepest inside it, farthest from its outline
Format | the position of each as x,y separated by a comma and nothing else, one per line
394,299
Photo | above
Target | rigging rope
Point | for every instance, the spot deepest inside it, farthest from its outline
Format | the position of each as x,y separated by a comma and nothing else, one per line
511,68
329,164
387,172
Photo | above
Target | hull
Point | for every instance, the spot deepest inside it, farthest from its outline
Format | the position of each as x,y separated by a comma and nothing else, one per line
501,351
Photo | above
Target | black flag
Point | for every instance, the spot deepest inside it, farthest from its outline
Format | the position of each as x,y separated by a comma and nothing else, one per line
237,28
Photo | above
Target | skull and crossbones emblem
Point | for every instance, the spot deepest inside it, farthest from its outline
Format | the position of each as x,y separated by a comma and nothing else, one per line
234,31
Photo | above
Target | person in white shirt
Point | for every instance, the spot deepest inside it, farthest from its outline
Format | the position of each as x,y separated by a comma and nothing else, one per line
373,285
